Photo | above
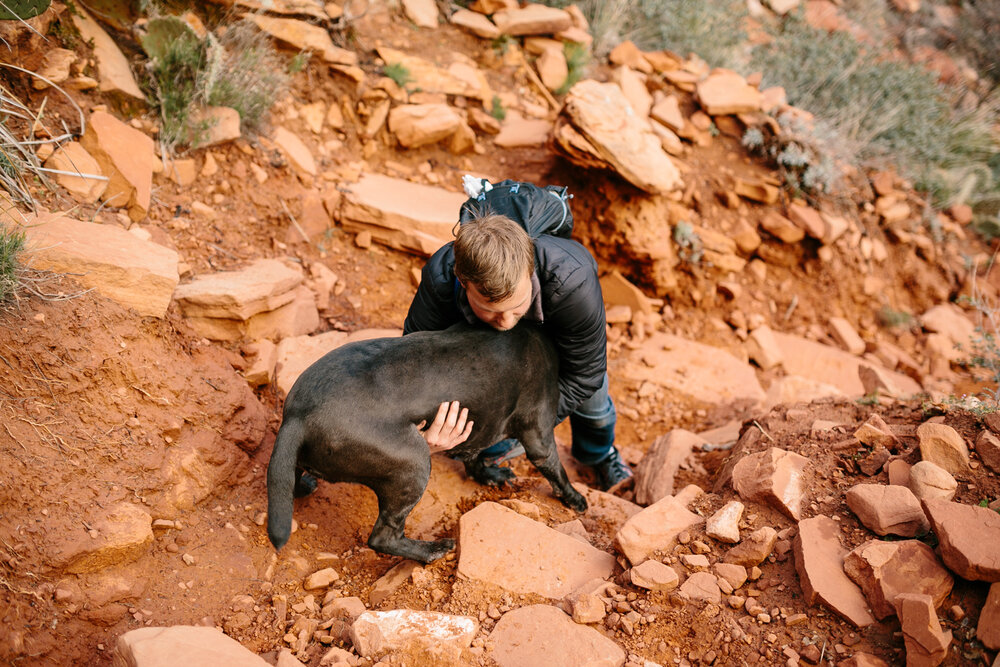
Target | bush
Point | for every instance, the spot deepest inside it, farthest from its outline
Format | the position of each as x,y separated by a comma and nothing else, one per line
881,109
804,153
239,70
11,246
399,73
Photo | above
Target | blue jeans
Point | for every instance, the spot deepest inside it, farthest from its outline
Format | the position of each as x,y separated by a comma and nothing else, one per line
592,425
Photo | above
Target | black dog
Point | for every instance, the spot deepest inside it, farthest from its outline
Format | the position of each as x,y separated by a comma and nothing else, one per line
352,417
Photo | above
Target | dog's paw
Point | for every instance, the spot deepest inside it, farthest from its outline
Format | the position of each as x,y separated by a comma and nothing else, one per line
305,485
576,502
438,549
493,475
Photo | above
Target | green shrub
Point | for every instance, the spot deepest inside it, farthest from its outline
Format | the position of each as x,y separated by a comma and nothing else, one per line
577,59
399,73
240,70
881,109
497,110
804,153
11,246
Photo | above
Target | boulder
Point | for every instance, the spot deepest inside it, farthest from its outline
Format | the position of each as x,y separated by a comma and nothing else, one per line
654,476
552,68
73,158
968,538
797,389
926,644
988,629
724,92
55,67
942,445
375,633
120,534
543,635
887,569
819,561
400,214
113,72
125,156
182,645
774,476
421,124
929,480
708,374
633,85
734,574
887,510
391,581
601,113
532,19
655,529
500,547
135,273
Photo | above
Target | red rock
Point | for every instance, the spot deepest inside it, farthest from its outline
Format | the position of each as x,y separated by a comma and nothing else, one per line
775,476
887,569
724,92
754,548
988,448
126,157
960,213
702,586
763,348
654,528
929,480
887,510
899,473
543,635
724,525
377,632
182,645
778,225
628,54
948,320
654,476
497,546
876,432
926,643
968,538
654,575
845,334
819,561
863,660
808,220
532,19
941,444
988,630
735,575
416,125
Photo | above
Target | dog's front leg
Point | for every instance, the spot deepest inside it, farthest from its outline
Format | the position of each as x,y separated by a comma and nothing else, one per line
540,448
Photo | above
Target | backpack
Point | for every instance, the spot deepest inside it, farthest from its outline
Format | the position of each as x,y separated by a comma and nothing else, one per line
538,210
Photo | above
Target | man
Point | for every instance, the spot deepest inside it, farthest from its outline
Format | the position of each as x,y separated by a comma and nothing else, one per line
495,273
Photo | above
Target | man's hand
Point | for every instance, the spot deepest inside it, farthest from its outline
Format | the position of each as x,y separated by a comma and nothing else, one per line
450,427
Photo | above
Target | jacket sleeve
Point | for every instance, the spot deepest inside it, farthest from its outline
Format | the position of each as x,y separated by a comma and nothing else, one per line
577,324
433,307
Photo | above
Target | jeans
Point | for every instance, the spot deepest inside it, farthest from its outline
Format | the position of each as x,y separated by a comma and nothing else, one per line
592,425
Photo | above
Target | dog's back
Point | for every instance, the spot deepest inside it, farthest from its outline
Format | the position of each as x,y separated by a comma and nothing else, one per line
352,415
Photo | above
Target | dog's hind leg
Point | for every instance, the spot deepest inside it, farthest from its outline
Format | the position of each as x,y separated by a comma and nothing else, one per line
397,495
540,448
305,484
488,474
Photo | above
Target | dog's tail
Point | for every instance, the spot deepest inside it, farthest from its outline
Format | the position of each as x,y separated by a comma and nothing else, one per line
281,476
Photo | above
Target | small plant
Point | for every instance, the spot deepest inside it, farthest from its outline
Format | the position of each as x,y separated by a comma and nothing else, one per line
895,319
12,242
399,73
690,247
497,110
501,45
802,152
577,59
298,62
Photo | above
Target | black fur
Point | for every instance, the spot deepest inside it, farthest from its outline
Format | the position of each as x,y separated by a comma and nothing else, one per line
352,417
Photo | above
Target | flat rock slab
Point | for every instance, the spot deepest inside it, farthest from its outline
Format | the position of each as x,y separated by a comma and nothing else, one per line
988,630
499,546
532,19
303,37
654,476
968,538
819,561
121,533
926,644
887,510
375,633
458,78
702,586
182,645
74,158
723,92
887,569
264,285
941,444
831,365
703,372
298,353
113,71
654,575
403,215
544,635
602,114
774,476
126,157
929,480
136,273
655,528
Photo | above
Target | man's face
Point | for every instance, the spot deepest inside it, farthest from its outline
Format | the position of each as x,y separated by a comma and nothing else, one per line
504,314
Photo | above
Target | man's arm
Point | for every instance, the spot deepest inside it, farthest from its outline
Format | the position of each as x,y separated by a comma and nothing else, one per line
577,324
433,307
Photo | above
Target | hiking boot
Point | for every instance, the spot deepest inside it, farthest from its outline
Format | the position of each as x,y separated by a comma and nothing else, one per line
612,470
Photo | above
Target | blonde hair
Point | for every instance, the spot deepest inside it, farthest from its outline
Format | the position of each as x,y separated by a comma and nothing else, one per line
494,253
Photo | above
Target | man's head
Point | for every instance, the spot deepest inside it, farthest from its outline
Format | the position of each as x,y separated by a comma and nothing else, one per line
494,260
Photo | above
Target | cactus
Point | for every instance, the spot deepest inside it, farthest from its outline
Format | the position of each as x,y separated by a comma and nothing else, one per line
164,32
22,9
